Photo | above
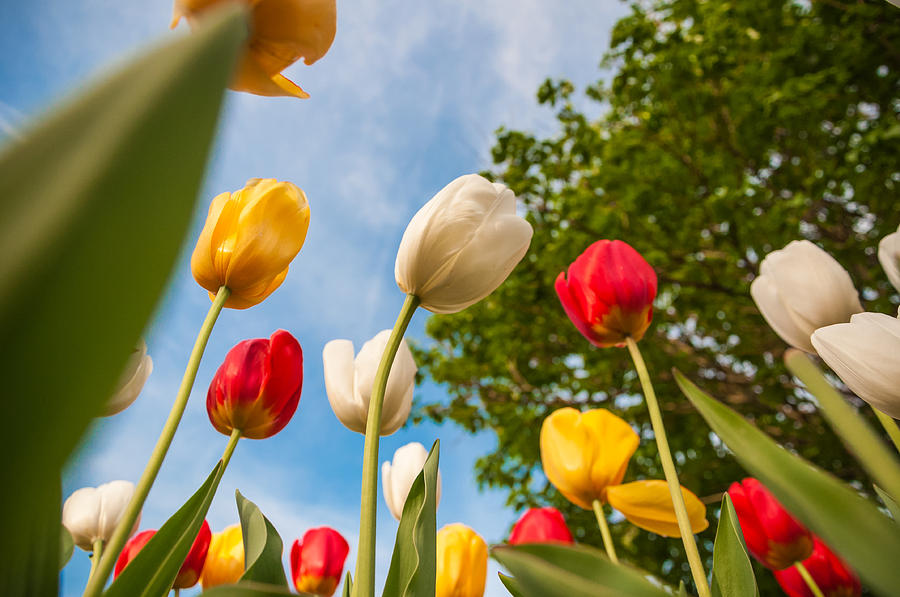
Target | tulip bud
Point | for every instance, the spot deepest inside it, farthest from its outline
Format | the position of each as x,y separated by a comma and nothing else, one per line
865,354
257,387
349,382
771,533
189,573
132,380
92,513
801,288
461,562
831,574
889,256
608,293
249,239
318,562
541,525
398,477
225,558
131,549
461,245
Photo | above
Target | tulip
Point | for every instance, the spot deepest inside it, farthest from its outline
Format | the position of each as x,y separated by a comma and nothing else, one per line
131,549
349,381
282,31
801,288
132,380
608,293
92,513
257,387
541,525
865,354
770,532
831,574
318,562
189,573
249,240
889,256
461,562
398,477
585,456
225,558
461,245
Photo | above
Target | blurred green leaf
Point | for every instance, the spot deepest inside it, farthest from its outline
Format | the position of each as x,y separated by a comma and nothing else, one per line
250,589
262,545
66,546
682,590
732,574
889,502
348,585
510,583
852,526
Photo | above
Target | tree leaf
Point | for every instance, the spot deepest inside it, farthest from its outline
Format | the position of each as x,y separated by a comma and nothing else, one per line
250,589
262,545
732,574
414,561
510,583
849,524
66,546
889,502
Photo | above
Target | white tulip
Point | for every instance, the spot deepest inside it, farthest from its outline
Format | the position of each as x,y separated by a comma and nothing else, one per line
889,256
801,288
349,381
92,513
132,380
461,245
865,354
397,478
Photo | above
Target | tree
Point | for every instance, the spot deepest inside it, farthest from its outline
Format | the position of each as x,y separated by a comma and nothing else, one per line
728,129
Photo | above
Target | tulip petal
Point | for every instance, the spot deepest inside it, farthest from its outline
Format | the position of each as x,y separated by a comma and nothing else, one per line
251,78
203,266
398,392
338,362
137,370
286,30
768,301
648,504
889,257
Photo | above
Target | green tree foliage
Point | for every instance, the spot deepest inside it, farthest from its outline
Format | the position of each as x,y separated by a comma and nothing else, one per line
728,129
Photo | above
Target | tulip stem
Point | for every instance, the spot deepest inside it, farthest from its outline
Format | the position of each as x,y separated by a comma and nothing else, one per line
604,531
890,425
364,579
665,457
126,524
229,448
95,557
810,581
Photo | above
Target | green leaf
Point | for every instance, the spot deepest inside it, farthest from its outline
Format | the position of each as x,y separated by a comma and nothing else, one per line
510,583
66,546
414,562
682,590
889,502
96,199
250,589
262,545
348,585
153,570
732,574
550,570
852,526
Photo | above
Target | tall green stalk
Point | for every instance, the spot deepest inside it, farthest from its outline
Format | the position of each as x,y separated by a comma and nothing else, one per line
364,580
604,531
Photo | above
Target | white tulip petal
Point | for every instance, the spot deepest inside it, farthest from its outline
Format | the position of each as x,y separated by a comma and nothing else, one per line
337,360
114,498
765,295
92,513
399,476
889,257
386,487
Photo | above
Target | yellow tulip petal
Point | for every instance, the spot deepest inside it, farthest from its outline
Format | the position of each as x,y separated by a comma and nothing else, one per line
286,30
225,558
202,263
647,504
461,562
250,77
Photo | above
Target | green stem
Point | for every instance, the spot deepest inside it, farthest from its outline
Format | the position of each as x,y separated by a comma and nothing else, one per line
604,531
95,557
123,529
810,581
229,448
364,579
890,425
665,456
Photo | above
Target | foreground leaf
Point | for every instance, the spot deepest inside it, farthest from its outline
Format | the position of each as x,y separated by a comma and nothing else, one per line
889,502
262,545
732,574
66,546
348,585
510,583
251,589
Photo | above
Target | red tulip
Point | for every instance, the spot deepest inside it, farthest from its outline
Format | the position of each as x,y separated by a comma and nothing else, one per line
608,293
257,388
193,563
131,549
317,563
541,525
831,574
771,533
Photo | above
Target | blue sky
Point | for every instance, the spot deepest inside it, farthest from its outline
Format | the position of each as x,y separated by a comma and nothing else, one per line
406,100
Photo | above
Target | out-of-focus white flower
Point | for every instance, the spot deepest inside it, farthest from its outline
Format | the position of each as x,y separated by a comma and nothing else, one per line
131,382
889,256
398,476
349,381
865,354
461,245
800,289
92,513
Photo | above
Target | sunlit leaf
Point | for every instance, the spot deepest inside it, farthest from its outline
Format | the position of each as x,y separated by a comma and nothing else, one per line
732,574
262,545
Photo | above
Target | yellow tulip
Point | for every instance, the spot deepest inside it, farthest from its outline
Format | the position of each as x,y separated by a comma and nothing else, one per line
225,558
461,562
249,239
282,32
648,504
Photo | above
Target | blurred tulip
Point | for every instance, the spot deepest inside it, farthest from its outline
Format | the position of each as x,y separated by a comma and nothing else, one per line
349,382
831,574
541,525
282,32
132,380
257,387
398,476
801,288
889,256
318,562
461,245
461,562
225,558
865,354
92,513
189,573
608,293
771,533
249,239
